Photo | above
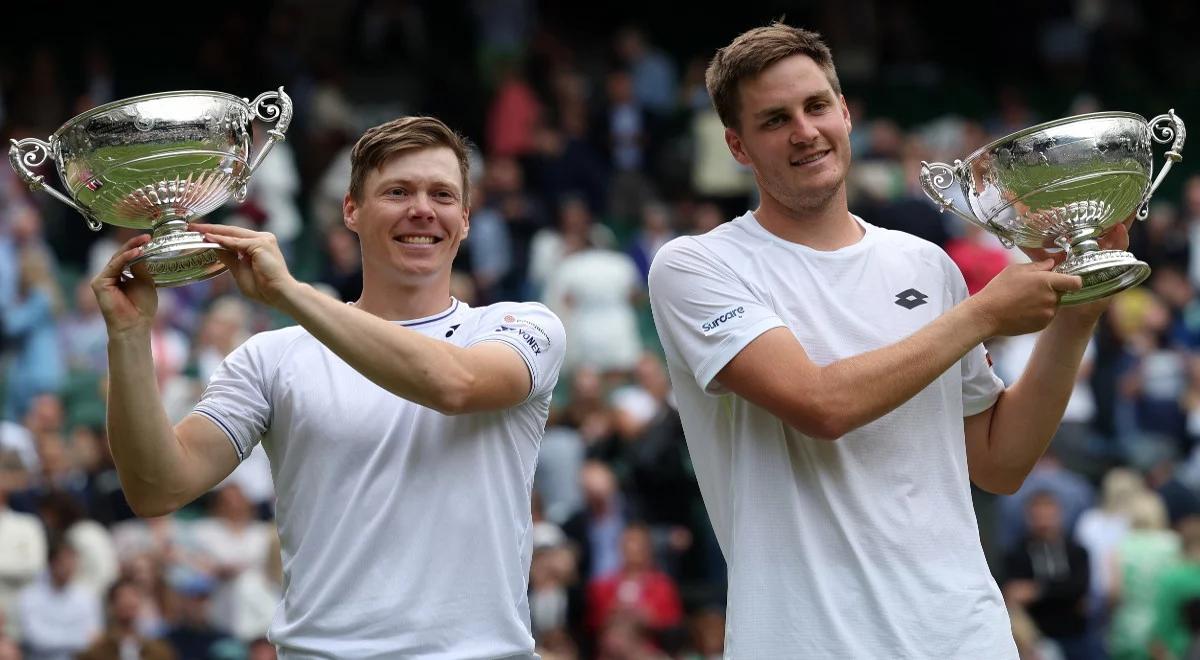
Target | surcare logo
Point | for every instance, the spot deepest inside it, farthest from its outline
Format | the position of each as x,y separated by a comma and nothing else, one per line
735,313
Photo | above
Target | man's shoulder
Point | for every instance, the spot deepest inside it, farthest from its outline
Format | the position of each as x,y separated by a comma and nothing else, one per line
725,236
896,238
509,311
528,323
509,306
277,339
722,247
268,348
913,249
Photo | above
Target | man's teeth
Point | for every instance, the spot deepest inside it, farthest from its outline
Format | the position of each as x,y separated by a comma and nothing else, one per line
814,157
422,240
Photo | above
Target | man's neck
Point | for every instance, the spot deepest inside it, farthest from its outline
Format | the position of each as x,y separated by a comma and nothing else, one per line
403,303
828,228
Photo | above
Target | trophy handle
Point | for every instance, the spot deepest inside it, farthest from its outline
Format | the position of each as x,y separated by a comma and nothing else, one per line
1164,128
32,152
936,177
279,112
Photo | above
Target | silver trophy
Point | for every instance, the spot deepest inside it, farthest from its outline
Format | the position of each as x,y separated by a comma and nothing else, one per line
157,162
1063,184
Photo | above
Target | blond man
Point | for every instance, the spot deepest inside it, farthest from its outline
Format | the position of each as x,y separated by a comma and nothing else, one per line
402,428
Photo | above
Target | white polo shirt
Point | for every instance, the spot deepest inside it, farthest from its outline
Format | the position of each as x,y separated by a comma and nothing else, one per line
405,532
866,547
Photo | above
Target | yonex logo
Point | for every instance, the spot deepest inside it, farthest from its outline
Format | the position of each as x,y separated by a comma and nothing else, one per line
910,298
529,339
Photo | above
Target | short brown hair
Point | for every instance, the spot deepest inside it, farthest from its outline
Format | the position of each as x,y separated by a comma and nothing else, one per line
379,144
751,53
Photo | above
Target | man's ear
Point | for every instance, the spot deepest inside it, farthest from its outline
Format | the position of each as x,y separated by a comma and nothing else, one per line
350,213
734,141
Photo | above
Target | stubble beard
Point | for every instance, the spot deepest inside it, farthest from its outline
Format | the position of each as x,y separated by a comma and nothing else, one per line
812,201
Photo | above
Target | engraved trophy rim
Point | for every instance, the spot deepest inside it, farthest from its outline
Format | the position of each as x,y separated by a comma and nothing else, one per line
172,190
131,100
1100,169
1054,123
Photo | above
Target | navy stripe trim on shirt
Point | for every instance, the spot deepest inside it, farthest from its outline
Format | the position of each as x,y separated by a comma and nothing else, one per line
224,427
412,324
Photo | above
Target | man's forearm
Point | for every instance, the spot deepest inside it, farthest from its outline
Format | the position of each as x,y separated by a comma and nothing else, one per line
858,390
1029,413
400,360
144,448
827,402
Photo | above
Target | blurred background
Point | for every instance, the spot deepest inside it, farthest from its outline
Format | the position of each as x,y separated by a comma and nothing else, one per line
596,143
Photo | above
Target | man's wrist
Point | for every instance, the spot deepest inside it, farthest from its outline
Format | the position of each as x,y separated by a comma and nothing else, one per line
134,335
288,297
979,321
1083,317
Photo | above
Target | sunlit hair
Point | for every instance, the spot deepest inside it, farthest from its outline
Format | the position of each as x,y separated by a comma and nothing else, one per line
380,144
751,53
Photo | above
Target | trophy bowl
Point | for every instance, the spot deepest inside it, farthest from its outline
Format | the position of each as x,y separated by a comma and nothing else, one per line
156,162
1063,184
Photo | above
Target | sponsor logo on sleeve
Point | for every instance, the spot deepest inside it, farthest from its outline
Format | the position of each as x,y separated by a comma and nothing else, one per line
711,325
530,333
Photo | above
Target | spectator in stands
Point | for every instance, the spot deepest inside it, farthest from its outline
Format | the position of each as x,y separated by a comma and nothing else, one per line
1101,529
595,291
29,325
122,640
654,232
65,517
56,616
192,633
1177,587
22,549
636,588
1048,575
1139,562
596,529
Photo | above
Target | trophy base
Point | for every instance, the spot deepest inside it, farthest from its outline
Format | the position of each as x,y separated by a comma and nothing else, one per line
178,258
1104,273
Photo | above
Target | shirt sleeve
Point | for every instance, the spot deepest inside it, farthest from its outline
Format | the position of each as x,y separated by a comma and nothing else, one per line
534,332
981,387
237,398
704,310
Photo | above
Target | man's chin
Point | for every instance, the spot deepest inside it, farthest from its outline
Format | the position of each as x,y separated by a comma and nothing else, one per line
813,198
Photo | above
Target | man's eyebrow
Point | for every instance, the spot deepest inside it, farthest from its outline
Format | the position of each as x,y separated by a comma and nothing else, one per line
779,109
409,181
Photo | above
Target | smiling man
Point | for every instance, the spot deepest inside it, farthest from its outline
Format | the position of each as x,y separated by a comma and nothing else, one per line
403,429
835,395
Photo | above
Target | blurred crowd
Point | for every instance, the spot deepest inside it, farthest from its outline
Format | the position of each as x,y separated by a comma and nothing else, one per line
590,155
